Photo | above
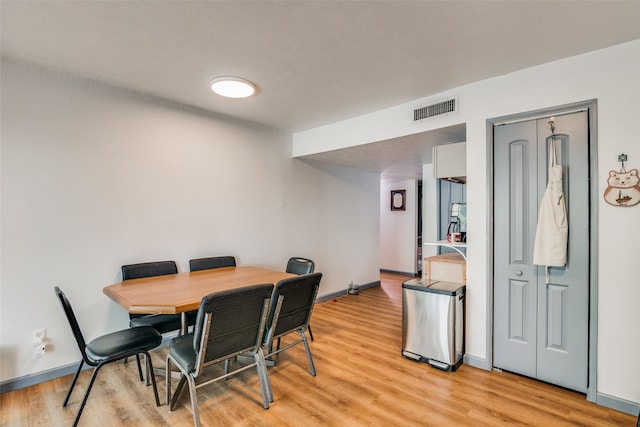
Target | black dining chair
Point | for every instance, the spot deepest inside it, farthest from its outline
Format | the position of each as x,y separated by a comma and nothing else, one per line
229,323
163,323
299,265
290,311
109,348
211,263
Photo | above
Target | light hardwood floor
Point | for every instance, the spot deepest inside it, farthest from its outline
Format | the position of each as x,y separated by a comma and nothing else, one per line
362,381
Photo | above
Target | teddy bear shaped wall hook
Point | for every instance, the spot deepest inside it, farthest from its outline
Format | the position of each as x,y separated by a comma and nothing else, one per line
623,187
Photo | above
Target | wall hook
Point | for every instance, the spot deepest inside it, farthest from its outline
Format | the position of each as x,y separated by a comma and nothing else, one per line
622,158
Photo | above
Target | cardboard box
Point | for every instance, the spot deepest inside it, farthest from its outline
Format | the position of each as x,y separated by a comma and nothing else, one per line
446,268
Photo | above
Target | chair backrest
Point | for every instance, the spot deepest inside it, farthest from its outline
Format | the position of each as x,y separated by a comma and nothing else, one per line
73,322
298,294
298,265
230,323
212,262
148,269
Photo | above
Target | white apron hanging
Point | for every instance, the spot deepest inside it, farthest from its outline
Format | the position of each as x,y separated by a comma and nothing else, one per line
550,247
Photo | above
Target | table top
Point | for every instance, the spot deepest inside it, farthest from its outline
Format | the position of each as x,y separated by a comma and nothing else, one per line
177,293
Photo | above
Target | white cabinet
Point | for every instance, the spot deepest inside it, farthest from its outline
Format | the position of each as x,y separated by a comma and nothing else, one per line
450,161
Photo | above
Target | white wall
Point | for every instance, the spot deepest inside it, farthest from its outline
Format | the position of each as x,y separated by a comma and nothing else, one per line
399,229
429,212
611,77
94,177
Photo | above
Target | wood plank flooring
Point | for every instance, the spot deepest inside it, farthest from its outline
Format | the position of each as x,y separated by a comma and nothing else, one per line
362,380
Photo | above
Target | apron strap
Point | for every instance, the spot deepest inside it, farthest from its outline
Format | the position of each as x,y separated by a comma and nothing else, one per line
552,152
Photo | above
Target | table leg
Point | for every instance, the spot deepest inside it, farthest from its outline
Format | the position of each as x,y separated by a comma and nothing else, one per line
184,323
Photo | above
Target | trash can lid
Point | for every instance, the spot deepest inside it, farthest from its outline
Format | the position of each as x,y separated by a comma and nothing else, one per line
447,288
435,286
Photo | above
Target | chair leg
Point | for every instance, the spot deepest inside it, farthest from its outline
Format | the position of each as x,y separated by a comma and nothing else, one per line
194,400
310,333
139,367
73,383
86,395
171,400
168,380
306,347
151,374
93,378
176,394
263,376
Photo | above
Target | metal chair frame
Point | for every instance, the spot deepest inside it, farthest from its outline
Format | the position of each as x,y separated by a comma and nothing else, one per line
300,265
155,339
301,327
201,360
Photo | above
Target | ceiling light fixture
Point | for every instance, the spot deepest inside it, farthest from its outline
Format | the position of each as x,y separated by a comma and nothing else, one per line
232,87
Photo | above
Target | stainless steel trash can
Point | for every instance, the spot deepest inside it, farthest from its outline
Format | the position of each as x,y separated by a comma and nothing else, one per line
433,322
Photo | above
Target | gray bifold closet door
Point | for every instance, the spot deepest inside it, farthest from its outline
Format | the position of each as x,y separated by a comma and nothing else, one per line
541,327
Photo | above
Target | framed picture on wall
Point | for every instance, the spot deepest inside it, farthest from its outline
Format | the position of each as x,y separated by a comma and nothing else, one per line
398,200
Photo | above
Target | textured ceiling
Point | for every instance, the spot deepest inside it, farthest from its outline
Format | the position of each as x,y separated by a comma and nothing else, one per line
314,62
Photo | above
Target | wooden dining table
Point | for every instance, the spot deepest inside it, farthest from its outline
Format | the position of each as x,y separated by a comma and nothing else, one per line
182,292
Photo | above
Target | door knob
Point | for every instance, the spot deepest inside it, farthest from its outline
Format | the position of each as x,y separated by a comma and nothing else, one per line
519,273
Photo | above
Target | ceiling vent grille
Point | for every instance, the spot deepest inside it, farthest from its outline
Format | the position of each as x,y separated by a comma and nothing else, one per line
447,106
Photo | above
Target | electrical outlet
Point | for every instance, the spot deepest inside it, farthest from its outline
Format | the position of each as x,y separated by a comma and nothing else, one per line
39,335
41,348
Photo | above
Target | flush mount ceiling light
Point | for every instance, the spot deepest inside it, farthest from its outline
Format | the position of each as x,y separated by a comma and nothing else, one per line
232,87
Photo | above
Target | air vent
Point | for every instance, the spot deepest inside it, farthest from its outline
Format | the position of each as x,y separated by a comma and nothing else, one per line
448,106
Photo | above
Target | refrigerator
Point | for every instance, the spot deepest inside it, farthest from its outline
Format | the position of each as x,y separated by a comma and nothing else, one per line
433,322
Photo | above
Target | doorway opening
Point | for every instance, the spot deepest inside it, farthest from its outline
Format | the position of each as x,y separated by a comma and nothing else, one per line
452,201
